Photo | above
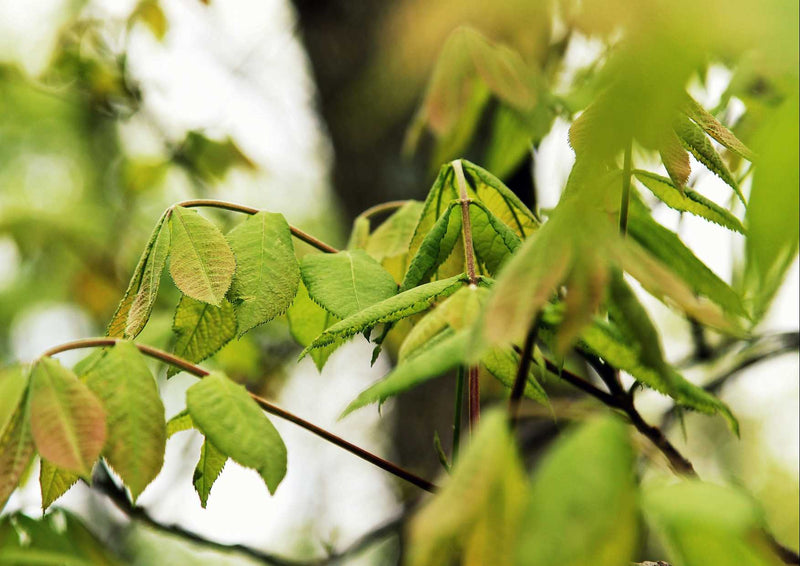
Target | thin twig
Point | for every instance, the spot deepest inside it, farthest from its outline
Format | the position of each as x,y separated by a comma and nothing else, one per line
474,391
521,378
296,232
270,408
457,413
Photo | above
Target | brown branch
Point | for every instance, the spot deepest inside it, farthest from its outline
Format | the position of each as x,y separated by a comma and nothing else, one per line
296,232
521,378
267,406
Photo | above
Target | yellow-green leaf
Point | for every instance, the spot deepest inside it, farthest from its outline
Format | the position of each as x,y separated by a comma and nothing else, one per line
201,329
307,320
16,450
145,298
54,482
208,469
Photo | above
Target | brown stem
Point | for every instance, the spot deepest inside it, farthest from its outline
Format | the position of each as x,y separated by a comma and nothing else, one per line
466,222
296,232
263,403
522,371
474,392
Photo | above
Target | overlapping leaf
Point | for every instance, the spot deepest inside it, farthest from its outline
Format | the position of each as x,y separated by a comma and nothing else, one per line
392,237
54,482
715,129
135,415
346,282
307,320
267,273
145,298
236,426
201,262
201,329
435,248
68,422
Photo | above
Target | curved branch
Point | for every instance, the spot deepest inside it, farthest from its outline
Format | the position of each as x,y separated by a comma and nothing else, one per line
267,406
383,207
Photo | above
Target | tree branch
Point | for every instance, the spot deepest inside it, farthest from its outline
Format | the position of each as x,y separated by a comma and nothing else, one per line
270,408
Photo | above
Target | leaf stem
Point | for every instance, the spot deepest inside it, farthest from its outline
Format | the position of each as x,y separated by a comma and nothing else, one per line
296,232
626,190
466,222
263,403
383,207
474,389
522,372
459,409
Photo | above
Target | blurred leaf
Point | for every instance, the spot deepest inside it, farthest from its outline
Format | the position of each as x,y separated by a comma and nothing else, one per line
236,426
13,382
307,320
201,262
207,471
54,482
135,415
503,364
16,450
150,13
392,309
347,282
676,161
582,504
201,329
477,511
704,524
68,422
393,236
267,274
688,201
511,142
212,159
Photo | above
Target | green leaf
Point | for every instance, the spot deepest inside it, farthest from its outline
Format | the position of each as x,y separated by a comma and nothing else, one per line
307,320
54,482
582,504
13,382
476,513
492,240
435,248
346,282
201,329
695,140
439,357
393,236
705,524
688,201
201,262
207,471
267,275
676,161
135,415
503,364
715,129
236,426
16,450
773,232
179,423
145,298
440,195
392,309
68,422
119,322
667,247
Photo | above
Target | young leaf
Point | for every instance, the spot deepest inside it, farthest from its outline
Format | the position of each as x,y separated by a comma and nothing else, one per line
67,420
201,262
439,357
477,511
434,249
307,320
493,241
234,423
16,450
145,298
346,282
695,140
393,236
267,275
705,524
715,129
54,482
392,309
207,471
202,329
688,201
179,423
582,503
136,428
441,194
676,161
119,322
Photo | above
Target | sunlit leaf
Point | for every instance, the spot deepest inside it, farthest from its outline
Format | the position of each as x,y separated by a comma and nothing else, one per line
179,423
236,426
201,329
676,161
267,273
13,381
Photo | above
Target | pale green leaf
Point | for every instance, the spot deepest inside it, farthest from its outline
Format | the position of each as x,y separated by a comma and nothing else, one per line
16,450
145,298
207,471
13,381
201,329
434,249
54,482
346,282
695,140
688,201
267,273
394,235
392,309
232,421
715,129
493,241
582,504
440,356
307,320
68,422
503,364
705,524
135,415
179,423
201,262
